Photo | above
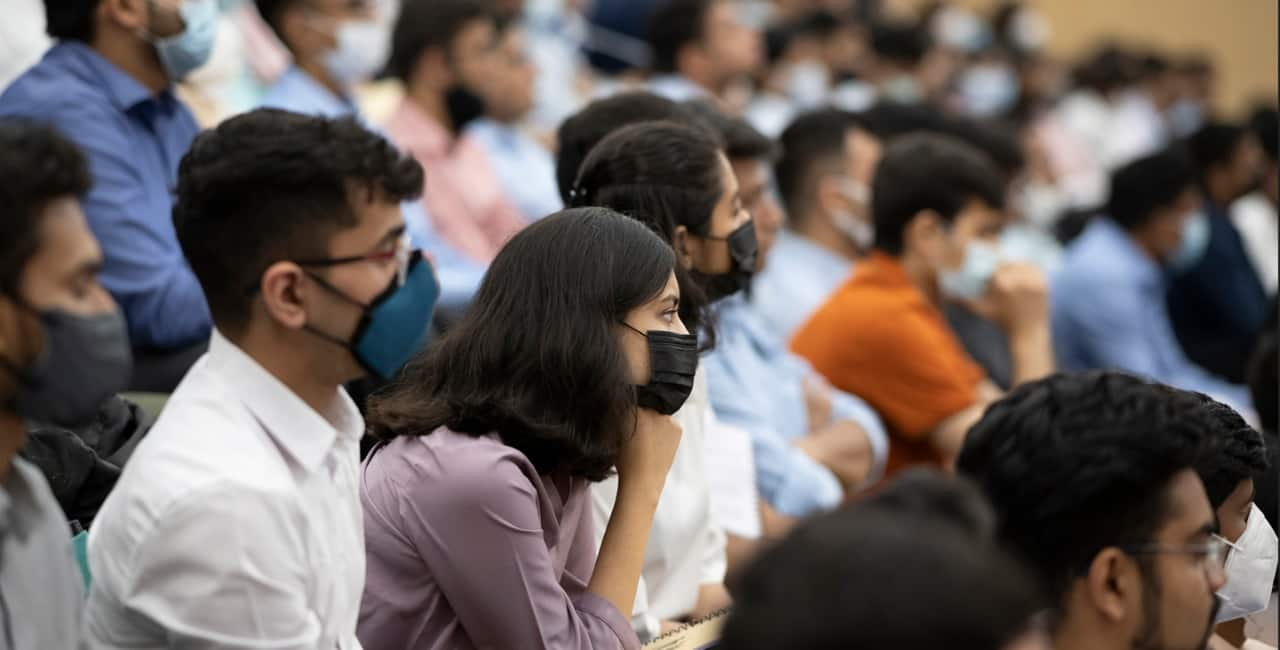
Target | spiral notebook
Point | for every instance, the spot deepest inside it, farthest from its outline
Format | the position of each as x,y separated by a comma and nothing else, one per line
701,634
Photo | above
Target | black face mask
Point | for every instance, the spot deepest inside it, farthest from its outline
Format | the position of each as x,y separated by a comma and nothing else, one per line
463,105
673,361
742,250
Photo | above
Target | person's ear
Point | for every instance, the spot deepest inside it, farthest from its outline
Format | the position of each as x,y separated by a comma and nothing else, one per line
285,294
686,247
923,232
1113,585
130,15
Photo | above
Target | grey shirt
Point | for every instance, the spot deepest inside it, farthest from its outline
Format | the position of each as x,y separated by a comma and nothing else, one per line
41,591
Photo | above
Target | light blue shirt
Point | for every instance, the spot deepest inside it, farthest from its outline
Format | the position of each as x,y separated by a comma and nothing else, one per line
677,88
297,91
458,274
756,384
1108,310
524,167
798,279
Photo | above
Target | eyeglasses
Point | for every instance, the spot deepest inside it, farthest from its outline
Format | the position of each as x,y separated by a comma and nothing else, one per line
1212,553
401,251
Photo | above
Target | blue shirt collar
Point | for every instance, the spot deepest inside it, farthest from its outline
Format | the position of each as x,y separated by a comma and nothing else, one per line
1148,273
124,91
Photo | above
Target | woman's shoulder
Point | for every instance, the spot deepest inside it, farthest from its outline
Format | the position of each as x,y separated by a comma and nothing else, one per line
448,465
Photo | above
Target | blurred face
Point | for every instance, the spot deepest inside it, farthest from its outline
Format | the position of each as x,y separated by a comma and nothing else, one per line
944,248
661,314
63,275
473,55
508,90
1164,230
163,19
311,27
862,155
758,200
1185,583
710,254
733,49
1245,168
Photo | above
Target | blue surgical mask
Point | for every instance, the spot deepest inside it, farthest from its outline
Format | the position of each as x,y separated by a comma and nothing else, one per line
396,324
184,52
989,89
969,281
1194,243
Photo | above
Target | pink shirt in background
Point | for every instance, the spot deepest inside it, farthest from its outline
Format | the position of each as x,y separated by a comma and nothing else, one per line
468,547
463,195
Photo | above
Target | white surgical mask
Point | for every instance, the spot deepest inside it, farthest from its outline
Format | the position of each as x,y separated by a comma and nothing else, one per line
1040,203
806,84
969,281
989,89
361,52
860,231
1251,570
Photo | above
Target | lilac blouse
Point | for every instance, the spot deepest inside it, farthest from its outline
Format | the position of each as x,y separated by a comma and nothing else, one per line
468,547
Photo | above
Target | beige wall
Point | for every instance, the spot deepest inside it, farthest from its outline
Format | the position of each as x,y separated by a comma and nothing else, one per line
1240,35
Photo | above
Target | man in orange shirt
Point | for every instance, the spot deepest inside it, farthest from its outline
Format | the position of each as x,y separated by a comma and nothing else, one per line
937,205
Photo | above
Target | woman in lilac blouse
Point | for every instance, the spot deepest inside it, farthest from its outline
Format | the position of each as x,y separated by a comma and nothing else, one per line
478,519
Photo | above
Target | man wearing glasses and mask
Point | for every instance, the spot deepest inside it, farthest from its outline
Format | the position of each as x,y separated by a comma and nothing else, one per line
1093,480
237,521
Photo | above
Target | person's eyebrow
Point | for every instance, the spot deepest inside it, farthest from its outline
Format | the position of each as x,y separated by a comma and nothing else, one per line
1208,529
392,234
89,267
672,299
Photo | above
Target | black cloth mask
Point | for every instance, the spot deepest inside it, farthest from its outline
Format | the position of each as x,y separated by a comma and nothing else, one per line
743,249
84,361
673,362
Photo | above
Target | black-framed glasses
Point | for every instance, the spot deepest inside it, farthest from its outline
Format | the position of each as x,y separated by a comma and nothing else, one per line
1213,553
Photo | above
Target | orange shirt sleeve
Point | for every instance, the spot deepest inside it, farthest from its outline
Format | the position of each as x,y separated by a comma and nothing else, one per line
899,356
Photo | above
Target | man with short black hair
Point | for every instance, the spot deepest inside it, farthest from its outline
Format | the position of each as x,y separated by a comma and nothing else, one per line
938,210
107,85
1108,298
63,350
699,48
1093,481
237,521
824,177
335,44
442,51
1216,301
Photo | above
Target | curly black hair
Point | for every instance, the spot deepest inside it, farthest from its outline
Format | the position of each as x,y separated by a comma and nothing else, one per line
1075,463
37,165
1239,452
271,185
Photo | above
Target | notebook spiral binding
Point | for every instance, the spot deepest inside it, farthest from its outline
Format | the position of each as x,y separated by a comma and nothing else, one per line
662,641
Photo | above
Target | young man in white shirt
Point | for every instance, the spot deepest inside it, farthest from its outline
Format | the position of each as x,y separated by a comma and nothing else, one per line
237,522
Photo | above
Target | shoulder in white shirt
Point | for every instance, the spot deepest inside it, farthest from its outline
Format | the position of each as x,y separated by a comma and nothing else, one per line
236,523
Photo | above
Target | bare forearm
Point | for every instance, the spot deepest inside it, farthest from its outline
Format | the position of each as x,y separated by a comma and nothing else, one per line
843,448
621,559
1031,352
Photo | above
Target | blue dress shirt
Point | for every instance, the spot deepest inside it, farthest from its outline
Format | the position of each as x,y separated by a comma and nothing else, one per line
525,169
798,279
756,384
1108,311
133,140
296,91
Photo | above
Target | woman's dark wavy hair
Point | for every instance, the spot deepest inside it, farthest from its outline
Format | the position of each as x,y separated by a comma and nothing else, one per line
536,358
665,175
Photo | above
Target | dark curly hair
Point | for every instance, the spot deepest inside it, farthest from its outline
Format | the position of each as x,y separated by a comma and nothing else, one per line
37,165
272,185
1239,452
1075,463
536,359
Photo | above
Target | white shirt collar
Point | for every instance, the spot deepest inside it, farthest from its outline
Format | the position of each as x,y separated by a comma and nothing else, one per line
305,434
